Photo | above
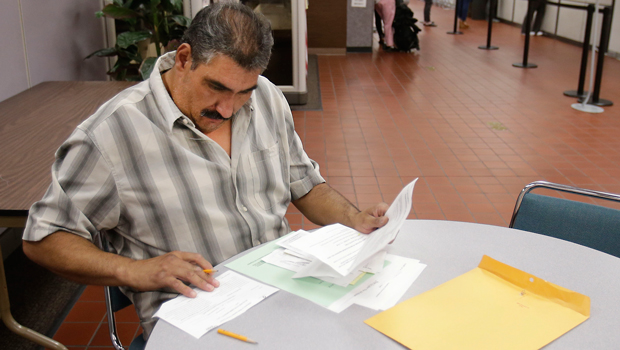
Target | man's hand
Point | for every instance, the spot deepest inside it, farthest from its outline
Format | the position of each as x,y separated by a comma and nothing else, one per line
371,219
170,270
79,260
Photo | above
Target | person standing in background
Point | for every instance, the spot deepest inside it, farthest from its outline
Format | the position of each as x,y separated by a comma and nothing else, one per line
461,11
427,14
386,10
538,6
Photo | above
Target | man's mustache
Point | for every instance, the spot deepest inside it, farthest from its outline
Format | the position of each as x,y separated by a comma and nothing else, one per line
215,115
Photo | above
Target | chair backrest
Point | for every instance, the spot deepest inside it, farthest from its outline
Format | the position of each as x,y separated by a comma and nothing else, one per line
587,224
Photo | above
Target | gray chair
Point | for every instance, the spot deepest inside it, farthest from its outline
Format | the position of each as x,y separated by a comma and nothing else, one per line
590,225
115,301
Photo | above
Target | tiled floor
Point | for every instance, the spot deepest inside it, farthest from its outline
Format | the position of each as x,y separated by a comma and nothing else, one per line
471,126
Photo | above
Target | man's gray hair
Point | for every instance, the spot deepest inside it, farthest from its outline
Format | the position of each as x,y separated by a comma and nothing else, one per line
231,29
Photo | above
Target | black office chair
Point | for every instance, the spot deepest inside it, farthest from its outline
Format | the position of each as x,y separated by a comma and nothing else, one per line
590,225
115,301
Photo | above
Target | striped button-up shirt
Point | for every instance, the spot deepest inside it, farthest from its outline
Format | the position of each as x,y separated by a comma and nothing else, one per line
140,172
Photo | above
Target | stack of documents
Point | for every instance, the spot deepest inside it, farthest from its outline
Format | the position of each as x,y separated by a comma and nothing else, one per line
337,266
340,253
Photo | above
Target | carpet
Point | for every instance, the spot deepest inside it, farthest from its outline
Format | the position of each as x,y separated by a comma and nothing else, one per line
313,86
40,300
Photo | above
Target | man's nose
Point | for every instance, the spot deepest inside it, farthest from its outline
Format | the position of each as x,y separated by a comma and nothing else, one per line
225,106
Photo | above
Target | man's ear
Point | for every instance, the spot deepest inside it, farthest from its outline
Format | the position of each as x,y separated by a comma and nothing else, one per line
183,59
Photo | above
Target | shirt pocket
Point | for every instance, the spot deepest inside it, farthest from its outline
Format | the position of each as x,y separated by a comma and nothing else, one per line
268,185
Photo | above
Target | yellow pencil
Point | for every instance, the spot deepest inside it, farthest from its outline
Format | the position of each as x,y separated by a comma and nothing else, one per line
209,271
236,336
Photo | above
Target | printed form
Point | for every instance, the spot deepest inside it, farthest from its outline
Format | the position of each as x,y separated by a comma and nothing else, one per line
196,316
342,250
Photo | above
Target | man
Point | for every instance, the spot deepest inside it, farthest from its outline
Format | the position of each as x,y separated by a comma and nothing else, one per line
183,171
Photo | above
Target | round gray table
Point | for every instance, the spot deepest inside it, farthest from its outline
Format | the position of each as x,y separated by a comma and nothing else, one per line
286,321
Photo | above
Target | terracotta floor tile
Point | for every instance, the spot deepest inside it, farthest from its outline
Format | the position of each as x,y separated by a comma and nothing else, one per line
293,219
80,333
431,216
459,216
87,311
93,293
481,207
367,189
339,172
490,219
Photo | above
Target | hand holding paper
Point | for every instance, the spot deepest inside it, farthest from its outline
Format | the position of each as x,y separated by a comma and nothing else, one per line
342,250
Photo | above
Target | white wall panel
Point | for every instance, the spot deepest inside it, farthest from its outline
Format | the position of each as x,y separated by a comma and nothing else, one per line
571,24
520,10
59,34
550,20
13,63
504,9
614,41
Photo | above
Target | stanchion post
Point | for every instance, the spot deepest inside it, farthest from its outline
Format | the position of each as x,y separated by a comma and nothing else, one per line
492,8
602,49
584,57
456,13
526,48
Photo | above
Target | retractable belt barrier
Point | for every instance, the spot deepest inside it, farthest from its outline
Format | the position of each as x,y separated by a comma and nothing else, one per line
602,49
456,18
492,11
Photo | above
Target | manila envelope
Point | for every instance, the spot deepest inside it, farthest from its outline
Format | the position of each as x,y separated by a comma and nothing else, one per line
493,306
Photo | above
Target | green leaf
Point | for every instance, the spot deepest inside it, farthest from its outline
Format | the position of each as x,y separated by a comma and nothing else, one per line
132,53
181,20
123,40
118,12
99,14
177,4
107,52
147,67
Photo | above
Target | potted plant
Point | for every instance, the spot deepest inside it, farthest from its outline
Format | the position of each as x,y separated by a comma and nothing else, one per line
140,24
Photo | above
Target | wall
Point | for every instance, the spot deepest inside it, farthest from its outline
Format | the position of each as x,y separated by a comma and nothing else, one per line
359,25
327,24
614,41
48,40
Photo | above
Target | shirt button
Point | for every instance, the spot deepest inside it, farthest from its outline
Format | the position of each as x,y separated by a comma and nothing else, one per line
244,208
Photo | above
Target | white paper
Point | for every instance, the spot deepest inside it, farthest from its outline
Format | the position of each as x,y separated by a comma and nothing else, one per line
335,245
383,290
342,249
375,263
286,242
286,261
358,3
397,213
196,316
280,258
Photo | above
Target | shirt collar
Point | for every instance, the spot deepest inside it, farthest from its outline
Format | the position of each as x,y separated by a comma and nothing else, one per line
164,101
